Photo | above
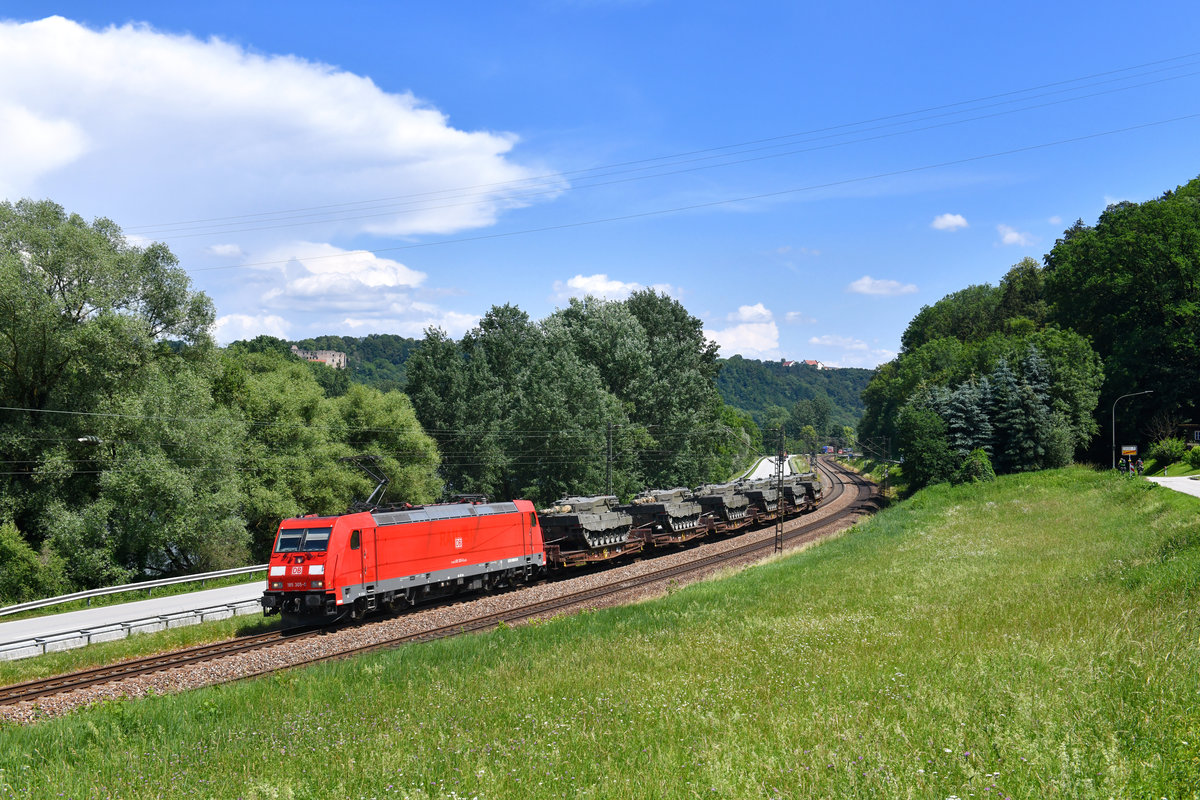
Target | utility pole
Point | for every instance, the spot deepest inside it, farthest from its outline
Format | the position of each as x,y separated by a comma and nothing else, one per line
608,462
779,457
1114,422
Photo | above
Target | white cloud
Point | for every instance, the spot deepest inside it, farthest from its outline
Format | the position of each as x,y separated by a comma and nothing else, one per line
799,318
867,359
868,285
33,143
948,222
754,334
840,342
600,285
1055,220
851,352
232,327
455,324
755,313
324,271
225,250
749,339
1009,235
226,128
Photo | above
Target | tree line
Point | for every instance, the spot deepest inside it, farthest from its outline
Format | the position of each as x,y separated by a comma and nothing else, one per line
132,446
599,397
1023,375
812,405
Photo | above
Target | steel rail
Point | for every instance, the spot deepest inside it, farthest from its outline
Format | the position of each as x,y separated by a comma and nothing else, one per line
57,684
32,690
563,602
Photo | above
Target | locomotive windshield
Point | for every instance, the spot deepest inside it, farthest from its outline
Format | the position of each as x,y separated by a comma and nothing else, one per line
303,540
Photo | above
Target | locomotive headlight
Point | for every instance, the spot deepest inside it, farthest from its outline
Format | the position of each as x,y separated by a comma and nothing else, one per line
318,584
276,584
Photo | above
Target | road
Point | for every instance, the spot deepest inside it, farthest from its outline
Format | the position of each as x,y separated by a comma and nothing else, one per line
1185,484
766,468
24,629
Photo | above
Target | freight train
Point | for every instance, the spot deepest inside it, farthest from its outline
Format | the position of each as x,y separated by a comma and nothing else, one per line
375,556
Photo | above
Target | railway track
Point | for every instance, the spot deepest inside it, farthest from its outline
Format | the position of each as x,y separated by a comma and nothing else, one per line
45,687
796,531
861,504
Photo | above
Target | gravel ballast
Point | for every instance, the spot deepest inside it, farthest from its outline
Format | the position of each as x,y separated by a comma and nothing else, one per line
257,662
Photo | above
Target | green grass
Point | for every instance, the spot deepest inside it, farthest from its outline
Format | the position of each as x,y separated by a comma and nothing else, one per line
895,485
1176,469
1033,637
139,594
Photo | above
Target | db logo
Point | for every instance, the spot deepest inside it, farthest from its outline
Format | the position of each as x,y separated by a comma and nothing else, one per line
297,570
458,543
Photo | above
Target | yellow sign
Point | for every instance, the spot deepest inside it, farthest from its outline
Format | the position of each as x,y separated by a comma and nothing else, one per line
1129,449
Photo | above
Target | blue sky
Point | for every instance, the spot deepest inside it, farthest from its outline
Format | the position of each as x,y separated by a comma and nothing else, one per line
802,177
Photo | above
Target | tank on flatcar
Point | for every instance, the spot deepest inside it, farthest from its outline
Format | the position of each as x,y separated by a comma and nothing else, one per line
580,530
665,515
795,494
763,496
810,482
726,507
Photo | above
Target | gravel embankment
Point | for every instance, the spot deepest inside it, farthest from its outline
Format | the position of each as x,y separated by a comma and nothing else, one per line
270,659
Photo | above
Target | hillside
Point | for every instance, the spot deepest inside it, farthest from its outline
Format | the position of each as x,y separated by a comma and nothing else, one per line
985,641
763,388
376,360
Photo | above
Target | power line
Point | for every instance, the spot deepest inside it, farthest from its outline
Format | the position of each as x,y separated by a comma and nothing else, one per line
729,201
605,168
416,428
393,211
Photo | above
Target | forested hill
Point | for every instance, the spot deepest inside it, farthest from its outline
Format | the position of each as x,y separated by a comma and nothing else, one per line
377,360
769,391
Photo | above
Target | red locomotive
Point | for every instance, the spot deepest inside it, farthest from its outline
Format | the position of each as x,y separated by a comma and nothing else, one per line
323,568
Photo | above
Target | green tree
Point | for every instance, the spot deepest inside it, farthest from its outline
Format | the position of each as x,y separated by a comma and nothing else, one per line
921,439
1131,284
72,291
965,315
24,574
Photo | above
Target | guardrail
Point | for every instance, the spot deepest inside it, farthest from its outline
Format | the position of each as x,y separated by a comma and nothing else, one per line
68,640
128,587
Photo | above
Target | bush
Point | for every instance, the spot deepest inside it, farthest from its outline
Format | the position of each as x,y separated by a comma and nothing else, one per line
1167,451
976,468
922,441
24,575
1193,457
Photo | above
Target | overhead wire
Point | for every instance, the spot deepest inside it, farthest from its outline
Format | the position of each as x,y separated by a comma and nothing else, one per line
724,201
718,151
677,171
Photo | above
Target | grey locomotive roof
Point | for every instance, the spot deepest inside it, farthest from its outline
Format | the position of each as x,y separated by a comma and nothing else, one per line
447,511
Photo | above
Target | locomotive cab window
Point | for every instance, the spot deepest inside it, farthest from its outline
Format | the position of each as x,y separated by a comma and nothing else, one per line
303,540
355,540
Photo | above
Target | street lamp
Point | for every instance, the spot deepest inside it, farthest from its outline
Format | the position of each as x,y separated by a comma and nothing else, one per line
1114,422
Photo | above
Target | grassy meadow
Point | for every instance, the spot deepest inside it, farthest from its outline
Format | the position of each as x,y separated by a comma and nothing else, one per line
1036,637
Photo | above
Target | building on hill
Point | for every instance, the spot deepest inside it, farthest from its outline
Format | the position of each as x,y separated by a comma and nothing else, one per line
807,362
332,358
